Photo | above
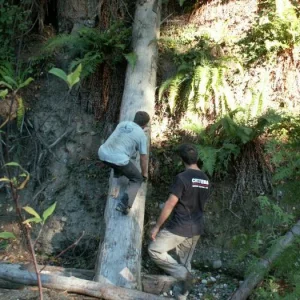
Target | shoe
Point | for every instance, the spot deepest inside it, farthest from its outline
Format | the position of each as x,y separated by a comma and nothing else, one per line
123,205
188,283
178,291
122,208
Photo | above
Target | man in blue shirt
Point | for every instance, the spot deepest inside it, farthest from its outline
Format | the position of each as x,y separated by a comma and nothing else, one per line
127,139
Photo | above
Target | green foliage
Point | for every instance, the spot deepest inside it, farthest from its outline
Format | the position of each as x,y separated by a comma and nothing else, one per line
18,182
223,142
70,79
7,235
200,84
284,282
37,218
272,217
10,80
277,30
285,160
14,21
91,47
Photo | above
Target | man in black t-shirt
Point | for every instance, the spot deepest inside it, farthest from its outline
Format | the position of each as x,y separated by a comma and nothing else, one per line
186,201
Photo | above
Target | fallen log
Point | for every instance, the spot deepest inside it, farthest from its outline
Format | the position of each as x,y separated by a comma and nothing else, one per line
19,274
153,284
265,264
119,258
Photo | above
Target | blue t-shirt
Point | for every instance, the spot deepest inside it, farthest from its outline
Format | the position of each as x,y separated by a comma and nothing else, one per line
123,143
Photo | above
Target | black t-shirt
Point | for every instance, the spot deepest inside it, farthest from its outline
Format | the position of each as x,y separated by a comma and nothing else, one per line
192,189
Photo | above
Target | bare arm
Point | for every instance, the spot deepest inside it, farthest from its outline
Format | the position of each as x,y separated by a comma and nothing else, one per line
167,210
144,164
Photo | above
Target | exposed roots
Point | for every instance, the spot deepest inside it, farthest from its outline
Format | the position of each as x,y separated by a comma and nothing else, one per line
253,174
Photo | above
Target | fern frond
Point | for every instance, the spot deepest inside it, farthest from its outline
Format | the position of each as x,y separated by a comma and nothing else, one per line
164,87
60,41
6,69
173,91
202,76
208,156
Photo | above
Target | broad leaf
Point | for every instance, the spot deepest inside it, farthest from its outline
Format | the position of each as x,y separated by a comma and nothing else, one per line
59,73
7,235
74,77
181,2
25,83
48,212
31,211
34,220
6,85
3,93
131,58
4,179
22,185
13,164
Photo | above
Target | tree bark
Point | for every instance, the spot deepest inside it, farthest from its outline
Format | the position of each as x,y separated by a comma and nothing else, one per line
265,264
17,274
119,261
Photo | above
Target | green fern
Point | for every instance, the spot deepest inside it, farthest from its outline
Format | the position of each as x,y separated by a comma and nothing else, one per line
209,157
91,47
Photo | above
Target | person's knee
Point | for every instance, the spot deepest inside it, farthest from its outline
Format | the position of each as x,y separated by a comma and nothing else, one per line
138,178
151,252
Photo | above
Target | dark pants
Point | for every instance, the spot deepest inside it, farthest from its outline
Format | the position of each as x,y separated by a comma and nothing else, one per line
133,174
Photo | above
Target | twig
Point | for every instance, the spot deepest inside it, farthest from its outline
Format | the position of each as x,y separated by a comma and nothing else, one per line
60,138
234,213
166,18
68,248
34,197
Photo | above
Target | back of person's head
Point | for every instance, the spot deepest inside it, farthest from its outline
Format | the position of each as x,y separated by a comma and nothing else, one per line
188,153
141,118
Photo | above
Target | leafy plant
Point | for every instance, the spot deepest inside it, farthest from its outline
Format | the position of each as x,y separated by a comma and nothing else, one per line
200,83
70,79
91,47
14,21
7,235
37,218
14,83
277,30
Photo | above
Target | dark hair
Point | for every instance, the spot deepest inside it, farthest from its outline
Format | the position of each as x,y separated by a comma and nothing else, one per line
188,153
141,118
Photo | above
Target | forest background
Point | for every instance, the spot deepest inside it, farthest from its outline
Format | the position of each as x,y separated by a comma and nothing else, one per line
228,81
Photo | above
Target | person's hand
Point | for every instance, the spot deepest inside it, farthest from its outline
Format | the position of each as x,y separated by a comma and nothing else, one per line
145,178
154,232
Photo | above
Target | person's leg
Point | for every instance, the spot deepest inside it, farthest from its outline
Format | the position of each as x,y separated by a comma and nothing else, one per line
186,250
135,180
158,251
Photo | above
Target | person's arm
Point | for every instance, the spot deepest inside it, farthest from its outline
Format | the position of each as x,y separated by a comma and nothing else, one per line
144,164
167,210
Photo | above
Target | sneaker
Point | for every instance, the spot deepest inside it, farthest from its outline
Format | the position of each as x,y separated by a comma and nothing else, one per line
123,205
178,291
124,209
188,283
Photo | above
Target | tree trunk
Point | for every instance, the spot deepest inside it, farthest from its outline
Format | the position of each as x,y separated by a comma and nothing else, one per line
264,265
17,274
119,260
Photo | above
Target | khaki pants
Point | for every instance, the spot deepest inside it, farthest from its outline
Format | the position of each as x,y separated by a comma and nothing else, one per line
167,241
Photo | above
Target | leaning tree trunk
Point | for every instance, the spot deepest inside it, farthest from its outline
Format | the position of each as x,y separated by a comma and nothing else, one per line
265,264
119,260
